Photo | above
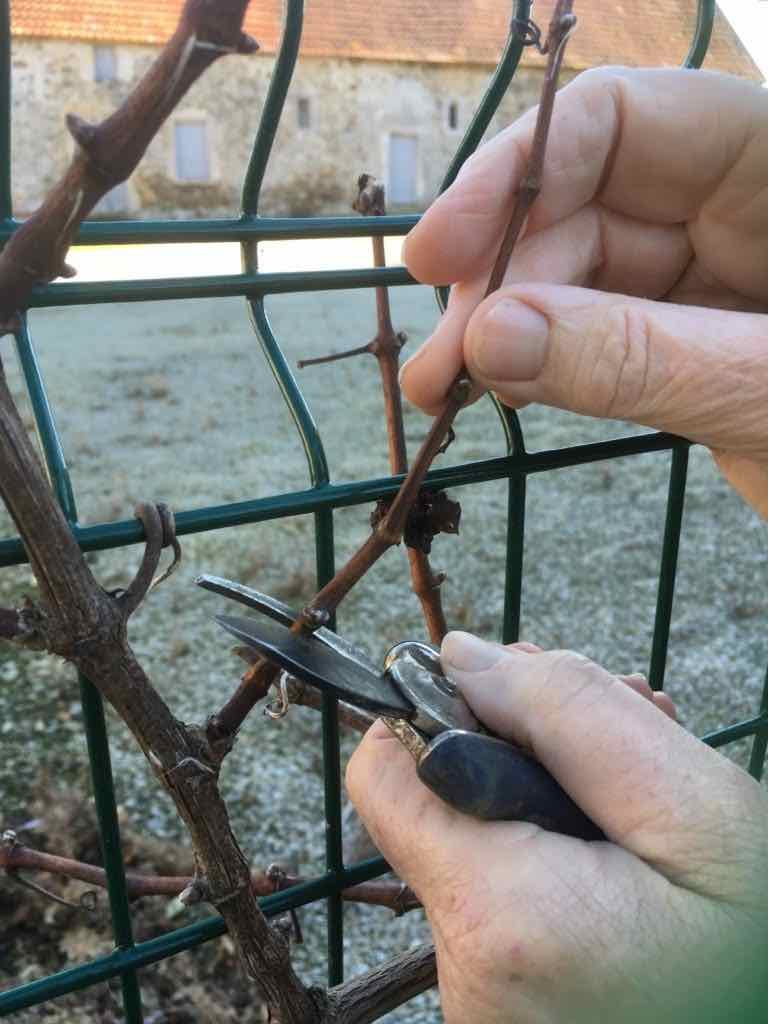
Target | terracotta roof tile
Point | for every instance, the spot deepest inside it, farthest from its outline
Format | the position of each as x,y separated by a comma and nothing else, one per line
635,32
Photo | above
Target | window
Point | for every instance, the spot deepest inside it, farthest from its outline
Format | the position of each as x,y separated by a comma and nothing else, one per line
403,176
104,64
25,79
192,161
452,116
304,112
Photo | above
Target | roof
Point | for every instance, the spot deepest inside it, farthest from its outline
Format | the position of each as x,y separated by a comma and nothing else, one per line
634,32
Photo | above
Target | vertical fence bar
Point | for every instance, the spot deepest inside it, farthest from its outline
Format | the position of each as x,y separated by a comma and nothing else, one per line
48,435
299,410
92,704
760,742
667,573
324,553
109,835
318,467
516,500
273,106
705,19
513,589
6,203
334,857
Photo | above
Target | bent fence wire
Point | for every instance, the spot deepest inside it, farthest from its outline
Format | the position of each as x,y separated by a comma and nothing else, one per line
320,498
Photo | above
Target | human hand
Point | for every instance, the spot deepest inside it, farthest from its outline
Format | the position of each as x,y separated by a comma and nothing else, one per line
666,924
654,188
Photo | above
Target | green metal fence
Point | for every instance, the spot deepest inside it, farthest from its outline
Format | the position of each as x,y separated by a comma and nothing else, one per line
320,498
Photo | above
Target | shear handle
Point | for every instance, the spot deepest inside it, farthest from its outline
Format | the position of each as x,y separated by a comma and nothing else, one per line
496,781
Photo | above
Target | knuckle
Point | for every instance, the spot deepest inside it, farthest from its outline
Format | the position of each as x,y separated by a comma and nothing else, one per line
606,73
597,77
569,680
617,371
609,80
559,665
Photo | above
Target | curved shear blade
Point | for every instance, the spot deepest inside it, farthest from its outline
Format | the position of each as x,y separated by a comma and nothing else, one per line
312,661
249,597
281,613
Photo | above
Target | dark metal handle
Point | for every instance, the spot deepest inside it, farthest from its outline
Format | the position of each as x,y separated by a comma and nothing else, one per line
493,780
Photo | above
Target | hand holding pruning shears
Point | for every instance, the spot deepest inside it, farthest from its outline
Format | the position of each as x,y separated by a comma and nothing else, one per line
638,291
472,771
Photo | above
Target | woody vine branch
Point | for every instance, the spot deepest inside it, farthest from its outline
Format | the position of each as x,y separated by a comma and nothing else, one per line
386,346
76,619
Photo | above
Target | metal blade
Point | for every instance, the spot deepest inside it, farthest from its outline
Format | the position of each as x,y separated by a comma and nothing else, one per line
312,661
283,614
249,597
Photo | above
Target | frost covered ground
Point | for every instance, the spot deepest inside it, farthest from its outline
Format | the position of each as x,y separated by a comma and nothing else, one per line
173,401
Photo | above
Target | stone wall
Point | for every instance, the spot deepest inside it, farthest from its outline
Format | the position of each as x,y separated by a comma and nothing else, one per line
352,108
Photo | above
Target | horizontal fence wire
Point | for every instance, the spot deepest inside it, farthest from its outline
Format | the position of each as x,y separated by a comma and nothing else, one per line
359,492
320,499
240,229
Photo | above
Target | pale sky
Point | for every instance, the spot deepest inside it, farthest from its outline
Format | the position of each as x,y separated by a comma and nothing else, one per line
750,20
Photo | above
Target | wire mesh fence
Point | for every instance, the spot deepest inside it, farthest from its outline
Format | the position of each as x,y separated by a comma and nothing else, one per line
320,498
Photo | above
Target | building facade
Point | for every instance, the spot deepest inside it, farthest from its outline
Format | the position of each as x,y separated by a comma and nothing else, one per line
396,109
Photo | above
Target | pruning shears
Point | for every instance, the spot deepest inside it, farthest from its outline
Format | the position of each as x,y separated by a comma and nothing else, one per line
472,770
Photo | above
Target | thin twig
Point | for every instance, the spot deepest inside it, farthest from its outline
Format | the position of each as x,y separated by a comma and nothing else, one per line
384,892
390,530
560,28
255,682
334,357
426,586
386,347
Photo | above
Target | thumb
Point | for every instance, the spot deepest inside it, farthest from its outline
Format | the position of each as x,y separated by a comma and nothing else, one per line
676,368
652,787
430,845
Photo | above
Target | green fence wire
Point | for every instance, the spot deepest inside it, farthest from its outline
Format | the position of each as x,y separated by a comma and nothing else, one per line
320,498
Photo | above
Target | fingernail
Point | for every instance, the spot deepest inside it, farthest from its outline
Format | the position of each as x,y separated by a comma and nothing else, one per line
510,342
467,653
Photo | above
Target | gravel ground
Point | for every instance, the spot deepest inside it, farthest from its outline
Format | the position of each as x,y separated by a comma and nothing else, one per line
173,401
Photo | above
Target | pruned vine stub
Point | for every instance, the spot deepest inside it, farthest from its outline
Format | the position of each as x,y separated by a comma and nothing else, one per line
432,513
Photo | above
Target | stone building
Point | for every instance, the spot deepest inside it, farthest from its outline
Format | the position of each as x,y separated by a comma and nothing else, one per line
387,88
